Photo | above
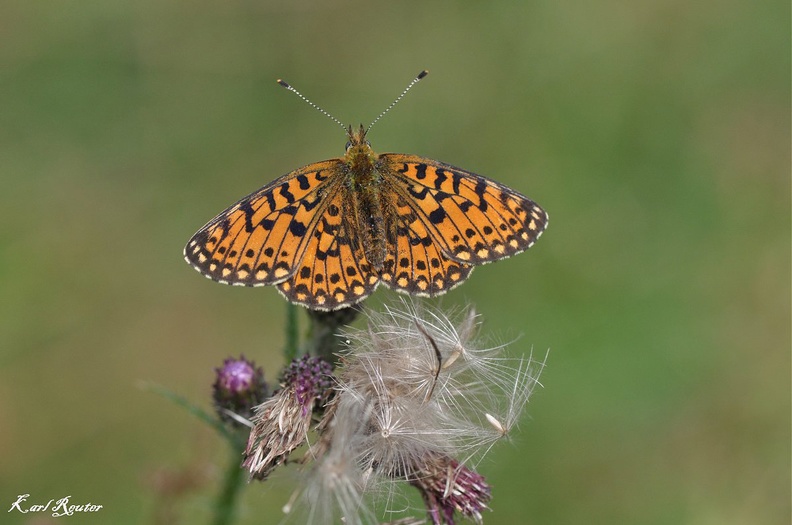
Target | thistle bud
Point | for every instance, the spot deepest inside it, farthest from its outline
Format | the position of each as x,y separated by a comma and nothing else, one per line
239,386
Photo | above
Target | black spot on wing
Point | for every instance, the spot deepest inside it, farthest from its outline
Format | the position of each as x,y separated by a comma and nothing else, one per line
286,194
303,181
297,228
481,191
418,194
248,211
437,216
440,178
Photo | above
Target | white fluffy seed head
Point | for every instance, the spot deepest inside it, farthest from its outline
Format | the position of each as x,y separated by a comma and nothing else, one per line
414,384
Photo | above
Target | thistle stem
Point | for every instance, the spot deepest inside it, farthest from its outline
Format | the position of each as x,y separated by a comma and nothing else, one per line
290,350
225,507
325,329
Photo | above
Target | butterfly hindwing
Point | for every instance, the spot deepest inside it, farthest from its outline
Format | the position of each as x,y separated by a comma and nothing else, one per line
333,273
473,219
258,240
415,264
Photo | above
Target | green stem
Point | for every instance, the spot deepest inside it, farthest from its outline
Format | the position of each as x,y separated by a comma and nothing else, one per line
290,350
225,507
325,330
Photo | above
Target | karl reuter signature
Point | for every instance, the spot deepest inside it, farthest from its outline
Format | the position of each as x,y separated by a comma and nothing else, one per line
58,508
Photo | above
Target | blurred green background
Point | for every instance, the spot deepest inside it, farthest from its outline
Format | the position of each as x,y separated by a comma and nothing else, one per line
656,134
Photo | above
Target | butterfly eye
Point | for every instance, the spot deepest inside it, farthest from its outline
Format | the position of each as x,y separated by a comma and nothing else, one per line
348,145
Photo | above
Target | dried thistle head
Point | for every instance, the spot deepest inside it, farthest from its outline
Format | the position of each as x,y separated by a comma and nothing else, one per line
281,423
448,487
418,402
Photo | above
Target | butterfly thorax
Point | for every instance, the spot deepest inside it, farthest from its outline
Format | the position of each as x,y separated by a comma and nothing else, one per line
364,202
359,158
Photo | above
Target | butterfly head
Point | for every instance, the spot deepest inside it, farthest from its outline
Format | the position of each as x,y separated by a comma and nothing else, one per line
357,137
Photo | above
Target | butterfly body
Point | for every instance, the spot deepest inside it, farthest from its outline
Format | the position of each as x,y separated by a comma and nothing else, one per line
364,199
329,233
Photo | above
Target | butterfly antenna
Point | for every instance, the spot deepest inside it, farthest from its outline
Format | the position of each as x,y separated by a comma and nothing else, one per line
323,112
410,85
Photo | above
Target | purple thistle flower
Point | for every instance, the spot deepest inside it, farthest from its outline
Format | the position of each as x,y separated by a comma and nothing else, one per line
239,386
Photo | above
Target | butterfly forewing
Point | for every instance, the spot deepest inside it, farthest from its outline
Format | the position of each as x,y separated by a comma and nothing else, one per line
262,238
473,219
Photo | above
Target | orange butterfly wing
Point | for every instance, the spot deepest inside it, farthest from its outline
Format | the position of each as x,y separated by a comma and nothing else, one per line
334,272
296,232
262,238
472,219
414,263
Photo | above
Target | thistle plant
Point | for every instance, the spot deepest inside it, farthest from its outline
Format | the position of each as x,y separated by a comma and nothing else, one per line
416,400
411,400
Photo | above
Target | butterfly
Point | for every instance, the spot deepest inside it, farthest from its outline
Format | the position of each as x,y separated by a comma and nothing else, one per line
327,234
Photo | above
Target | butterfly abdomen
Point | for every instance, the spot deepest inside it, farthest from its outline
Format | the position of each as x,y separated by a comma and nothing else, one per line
370,224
